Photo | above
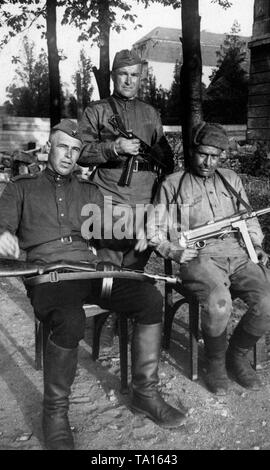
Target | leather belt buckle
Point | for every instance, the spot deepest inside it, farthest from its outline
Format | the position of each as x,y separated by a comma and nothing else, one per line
66,240
136,167
54,277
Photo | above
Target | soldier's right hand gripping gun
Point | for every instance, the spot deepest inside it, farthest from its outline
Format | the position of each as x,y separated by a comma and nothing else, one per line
130,163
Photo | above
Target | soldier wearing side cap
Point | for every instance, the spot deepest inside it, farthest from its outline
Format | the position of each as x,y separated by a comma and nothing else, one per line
42,214
105,147
203,194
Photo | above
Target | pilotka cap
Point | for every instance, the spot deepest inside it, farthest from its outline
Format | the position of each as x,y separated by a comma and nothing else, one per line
69,127
125,58
208,133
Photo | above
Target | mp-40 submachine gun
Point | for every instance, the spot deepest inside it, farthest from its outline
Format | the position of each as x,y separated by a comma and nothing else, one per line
131,162
237,223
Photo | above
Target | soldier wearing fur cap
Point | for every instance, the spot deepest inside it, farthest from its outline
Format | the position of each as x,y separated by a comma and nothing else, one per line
105,147
203,193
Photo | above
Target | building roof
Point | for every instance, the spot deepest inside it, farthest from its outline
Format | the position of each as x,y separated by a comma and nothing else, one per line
163,45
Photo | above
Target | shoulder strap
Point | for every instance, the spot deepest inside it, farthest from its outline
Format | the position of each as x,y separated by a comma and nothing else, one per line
230,188
175,197
115,113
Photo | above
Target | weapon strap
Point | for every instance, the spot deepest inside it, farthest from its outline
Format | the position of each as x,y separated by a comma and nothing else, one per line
116,114
175,197
230,188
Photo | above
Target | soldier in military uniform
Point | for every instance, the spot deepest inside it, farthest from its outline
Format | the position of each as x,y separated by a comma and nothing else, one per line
110,151
43,213
204,193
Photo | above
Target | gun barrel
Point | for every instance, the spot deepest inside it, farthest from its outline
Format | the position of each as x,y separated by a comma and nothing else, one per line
260,212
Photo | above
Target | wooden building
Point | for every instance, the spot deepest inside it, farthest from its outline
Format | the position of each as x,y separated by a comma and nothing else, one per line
258,126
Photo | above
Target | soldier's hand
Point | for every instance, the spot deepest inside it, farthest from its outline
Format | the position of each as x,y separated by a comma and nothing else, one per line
183,255
262,256
141,242
187,255
9,245
128,146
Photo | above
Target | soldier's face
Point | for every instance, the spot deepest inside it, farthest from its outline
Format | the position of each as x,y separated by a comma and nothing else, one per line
205,160
64,153
127,80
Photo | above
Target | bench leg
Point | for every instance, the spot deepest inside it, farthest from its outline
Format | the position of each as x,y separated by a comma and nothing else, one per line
194,312
42,332
99,321
123,349
38,344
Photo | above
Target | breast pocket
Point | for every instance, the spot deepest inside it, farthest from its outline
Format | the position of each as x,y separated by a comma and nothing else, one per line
191,211
228,202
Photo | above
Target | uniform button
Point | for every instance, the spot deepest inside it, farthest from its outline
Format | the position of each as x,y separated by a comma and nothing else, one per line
62,215
60,199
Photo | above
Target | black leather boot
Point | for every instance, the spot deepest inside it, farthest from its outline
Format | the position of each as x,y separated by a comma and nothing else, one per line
237,361
145,352
216,377
59,372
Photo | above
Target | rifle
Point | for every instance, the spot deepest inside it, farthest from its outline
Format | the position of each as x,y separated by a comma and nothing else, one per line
54,272
197,237
130,165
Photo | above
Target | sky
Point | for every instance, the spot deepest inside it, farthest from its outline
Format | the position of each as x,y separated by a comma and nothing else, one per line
213,19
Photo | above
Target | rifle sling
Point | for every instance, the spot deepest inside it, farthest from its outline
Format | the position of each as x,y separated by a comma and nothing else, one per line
116,114
230,188
55,276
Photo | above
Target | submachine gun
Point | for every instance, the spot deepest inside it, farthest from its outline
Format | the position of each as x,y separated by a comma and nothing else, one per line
145,152
237,223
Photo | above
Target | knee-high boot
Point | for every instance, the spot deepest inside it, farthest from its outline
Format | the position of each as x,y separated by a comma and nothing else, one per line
237,360
145,352
59,372
216,377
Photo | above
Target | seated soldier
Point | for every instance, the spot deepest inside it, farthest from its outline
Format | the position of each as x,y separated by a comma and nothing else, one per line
42,214
203,194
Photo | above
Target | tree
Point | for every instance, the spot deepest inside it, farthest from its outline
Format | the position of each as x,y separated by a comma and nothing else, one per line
96,19
53,58
191,71
154,95
227,94
29,92
83,84
102,18
174,108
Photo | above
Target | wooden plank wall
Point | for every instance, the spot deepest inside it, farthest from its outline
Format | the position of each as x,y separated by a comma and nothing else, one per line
259,94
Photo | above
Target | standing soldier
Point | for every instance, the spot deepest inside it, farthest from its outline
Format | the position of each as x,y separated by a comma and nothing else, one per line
123,137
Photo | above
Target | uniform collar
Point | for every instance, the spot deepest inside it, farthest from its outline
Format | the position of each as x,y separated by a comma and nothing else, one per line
123,99
53,176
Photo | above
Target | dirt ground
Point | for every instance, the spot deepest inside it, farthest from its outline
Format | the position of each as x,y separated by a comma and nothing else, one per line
99,413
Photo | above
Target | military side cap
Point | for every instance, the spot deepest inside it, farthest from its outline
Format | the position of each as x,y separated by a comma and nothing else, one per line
125,58
69,127
209,133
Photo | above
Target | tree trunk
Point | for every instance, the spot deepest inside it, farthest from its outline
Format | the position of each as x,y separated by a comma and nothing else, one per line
102,74
53,59
191,73
80,106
